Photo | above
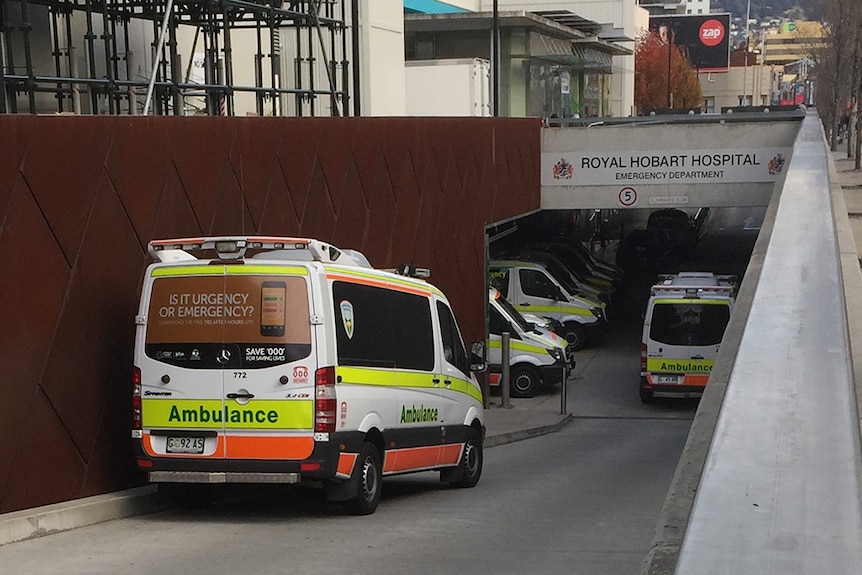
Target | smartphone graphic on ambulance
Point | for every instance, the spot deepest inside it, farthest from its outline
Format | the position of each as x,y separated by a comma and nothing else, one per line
272,308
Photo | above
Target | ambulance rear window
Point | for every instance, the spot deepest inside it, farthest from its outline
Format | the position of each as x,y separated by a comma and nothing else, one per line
227,322
691,324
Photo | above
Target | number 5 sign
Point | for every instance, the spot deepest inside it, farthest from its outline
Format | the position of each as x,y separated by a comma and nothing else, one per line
628,197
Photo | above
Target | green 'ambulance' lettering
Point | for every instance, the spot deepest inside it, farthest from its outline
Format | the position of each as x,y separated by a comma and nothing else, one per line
229,414
678,366
419,414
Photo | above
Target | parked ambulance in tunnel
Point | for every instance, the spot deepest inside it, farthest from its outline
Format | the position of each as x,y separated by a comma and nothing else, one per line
532,289
684,323
298,364
537,356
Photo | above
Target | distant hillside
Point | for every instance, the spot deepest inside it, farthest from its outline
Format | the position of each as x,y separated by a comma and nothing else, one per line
796,9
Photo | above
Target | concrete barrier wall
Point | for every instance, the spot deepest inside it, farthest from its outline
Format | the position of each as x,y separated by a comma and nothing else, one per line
80,197
769,480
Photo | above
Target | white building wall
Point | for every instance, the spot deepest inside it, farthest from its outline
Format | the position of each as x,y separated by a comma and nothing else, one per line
697,6
623,15
381,62
726,89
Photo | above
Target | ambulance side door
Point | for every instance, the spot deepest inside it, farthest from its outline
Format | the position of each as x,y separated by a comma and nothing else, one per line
454,372
537,293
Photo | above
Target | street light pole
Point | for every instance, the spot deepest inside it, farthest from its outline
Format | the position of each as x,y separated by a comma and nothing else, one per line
745,65
495,59
669,44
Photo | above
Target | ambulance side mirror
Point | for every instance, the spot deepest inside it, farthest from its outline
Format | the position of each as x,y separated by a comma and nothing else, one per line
477,357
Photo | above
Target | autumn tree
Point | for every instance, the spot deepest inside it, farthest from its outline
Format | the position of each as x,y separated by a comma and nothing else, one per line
655,60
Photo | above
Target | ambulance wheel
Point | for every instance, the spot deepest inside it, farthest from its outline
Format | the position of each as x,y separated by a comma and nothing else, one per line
524,381
369,478
470,467
575,334
646,394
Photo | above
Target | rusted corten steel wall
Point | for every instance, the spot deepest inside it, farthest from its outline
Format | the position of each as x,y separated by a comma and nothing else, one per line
80,197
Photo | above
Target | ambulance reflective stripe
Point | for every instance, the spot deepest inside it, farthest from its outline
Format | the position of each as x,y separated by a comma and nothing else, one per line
666,365
418,458
402,284
688,379
242,424
167,413
397,378
555,309
464,386
371,376
241,446
521,346
346,461
248,446
218,270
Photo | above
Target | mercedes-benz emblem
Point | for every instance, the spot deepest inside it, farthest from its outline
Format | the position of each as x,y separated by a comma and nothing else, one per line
223,356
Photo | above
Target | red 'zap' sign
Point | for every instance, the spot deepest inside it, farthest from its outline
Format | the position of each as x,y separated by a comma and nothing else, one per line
711,32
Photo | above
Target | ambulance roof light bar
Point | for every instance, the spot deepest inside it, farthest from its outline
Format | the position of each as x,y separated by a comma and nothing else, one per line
692,291
234,247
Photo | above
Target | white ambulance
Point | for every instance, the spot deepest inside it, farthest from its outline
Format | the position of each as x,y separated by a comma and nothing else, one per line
298,363
533,289
684,322
537,356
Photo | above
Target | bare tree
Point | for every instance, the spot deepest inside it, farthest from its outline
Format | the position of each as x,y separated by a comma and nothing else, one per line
836,60
857,84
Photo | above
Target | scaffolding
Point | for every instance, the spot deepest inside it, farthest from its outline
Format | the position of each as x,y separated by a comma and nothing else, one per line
178,57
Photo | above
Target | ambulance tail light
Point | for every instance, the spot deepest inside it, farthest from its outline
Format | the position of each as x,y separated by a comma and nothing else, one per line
643,358
136,398
325,401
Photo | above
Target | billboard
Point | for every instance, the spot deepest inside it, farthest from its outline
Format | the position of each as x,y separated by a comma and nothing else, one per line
704,39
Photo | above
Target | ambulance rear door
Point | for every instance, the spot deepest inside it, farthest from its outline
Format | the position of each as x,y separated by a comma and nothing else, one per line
228,362
683,338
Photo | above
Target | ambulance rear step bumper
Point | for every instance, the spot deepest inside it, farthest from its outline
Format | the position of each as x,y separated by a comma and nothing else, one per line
226,477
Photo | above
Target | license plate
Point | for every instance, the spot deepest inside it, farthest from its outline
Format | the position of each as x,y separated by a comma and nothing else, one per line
669,379
185,445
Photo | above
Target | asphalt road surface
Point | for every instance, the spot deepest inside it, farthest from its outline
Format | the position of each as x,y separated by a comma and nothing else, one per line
583,500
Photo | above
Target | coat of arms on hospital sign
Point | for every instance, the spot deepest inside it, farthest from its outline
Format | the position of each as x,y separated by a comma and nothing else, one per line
563,170
776,165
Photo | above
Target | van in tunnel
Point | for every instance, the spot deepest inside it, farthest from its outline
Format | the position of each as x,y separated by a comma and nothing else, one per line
537,356
532,289
684,323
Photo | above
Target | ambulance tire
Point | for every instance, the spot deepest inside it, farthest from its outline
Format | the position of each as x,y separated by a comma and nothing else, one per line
646,394
469,469
575,334
368,475
524,381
